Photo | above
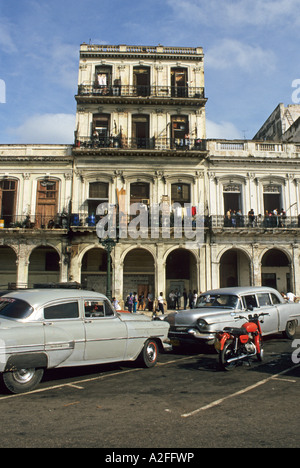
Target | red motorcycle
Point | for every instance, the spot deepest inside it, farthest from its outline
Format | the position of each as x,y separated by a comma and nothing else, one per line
239,344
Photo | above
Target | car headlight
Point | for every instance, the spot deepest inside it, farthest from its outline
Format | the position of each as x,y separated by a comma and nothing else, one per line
202,325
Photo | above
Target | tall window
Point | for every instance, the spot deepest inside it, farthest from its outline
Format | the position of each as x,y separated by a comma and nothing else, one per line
101,127
47,200
180,131
140,131
141,81
103,77
232,197
272,197
139,193
8,195
179,82
98,193
181,193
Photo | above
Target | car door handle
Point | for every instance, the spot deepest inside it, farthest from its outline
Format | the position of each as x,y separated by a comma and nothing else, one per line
88,321
47,324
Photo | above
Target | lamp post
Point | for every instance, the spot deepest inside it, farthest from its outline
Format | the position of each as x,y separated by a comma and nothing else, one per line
108,243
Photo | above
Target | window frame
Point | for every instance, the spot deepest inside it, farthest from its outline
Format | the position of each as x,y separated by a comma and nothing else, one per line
106,306
63,305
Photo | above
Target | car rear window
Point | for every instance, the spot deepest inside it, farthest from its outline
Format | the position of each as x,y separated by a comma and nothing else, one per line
14,308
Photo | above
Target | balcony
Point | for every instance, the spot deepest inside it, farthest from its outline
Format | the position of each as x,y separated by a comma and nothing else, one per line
151,224
155,144
30,222
139,93
262,224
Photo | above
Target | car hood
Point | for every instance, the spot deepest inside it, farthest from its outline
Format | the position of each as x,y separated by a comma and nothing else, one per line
190,317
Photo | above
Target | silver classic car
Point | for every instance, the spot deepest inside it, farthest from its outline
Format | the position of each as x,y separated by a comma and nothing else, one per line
47,328
221,308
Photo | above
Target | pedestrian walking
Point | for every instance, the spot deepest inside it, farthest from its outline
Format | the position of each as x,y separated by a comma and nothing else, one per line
177,298
190,297
185,299
130,302
150,301
160,301
116,304
135,302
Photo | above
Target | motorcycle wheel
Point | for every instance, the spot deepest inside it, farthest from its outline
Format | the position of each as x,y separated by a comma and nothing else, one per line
260,355
227,353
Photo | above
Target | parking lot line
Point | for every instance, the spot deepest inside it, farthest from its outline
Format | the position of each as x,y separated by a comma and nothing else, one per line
78,383
240,392
186,358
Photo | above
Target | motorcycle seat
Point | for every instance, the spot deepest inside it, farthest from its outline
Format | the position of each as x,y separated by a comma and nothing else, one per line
236,331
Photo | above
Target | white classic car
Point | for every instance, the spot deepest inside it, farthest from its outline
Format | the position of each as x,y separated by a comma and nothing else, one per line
47,328
219,308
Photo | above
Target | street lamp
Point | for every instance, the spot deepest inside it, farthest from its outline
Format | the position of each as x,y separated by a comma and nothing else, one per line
108,243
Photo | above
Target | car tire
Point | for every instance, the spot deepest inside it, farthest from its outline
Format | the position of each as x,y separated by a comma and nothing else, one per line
149,354
290,329
22,380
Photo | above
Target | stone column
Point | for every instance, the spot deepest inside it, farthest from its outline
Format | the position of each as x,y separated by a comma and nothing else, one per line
22,267
160,271
117,274
295,270
256,266
215,268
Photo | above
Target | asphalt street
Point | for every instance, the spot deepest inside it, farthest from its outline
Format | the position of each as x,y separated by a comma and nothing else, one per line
185,403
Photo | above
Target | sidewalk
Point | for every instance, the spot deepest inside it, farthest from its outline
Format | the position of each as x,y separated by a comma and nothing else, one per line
158,314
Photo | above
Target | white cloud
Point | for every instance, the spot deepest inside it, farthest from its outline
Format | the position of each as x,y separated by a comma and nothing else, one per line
231,53
6,41
222,130
46,128
62,64
237,13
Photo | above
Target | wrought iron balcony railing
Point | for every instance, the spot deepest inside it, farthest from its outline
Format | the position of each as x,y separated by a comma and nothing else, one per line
142,91
192,144
38,221
258,221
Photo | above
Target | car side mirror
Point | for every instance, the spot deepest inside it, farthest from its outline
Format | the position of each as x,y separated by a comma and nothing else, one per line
250,307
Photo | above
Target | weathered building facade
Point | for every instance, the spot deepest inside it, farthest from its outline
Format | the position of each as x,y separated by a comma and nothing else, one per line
206,213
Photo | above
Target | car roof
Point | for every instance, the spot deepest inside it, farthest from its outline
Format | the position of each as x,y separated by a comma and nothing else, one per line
35,297
237,290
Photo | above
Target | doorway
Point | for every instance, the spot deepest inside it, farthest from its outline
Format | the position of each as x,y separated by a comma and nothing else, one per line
141,81
8,196
179,79
46,204
140,131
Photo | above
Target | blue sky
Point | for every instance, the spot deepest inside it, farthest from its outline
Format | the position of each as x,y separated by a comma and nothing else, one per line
252,50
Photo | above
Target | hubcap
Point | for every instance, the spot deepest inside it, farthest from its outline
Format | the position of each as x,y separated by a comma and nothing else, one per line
151,352
23,376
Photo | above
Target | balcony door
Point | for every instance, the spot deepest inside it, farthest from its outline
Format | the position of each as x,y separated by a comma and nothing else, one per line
101,133
180,131
46,203
179,85
140,131
141,80
103,78
8,196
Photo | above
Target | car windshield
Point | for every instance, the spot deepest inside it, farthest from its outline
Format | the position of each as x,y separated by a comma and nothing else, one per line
218,300
14,308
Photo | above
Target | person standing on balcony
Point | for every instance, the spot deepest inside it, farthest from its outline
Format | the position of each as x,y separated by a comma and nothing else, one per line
251,217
